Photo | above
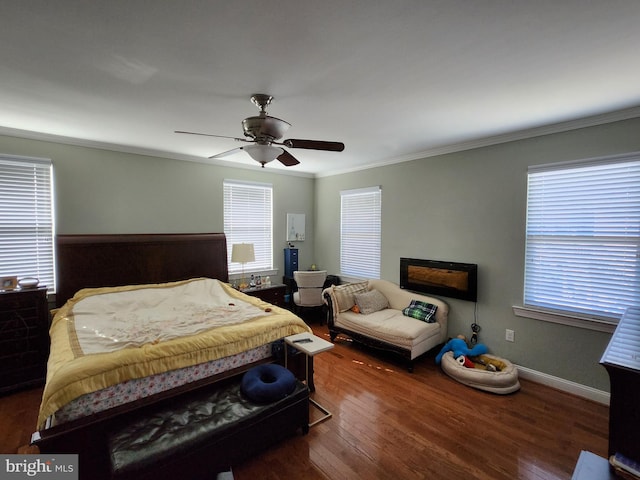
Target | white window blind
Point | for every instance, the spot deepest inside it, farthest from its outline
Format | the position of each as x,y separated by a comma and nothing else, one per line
360,228
248,218
583,237
26,221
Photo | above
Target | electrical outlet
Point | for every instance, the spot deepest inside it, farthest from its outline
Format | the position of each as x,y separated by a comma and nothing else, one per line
509,335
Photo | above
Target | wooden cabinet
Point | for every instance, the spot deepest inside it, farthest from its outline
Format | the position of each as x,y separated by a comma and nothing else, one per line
24,339
273,294
622,361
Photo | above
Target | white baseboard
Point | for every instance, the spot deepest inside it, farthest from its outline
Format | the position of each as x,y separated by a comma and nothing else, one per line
558,383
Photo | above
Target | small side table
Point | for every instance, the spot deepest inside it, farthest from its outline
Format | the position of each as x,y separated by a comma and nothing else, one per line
310,345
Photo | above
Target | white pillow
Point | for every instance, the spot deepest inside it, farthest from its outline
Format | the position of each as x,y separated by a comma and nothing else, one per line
344,294
372,301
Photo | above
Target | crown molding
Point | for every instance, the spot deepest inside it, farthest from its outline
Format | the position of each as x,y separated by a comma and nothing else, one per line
590,121
559,127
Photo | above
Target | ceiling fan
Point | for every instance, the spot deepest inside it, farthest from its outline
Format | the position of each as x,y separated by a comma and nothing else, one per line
264,133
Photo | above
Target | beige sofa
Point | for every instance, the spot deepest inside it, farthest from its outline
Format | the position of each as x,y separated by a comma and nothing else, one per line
386,326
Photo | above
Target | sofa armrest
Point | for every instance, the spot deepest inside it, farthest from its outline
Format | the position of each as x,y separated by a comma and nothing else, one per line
329,298
442,314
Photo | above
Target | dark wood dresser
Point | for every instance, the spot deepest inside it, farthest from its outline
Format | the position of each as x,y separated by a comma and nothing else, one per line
273,294
24,338
622,361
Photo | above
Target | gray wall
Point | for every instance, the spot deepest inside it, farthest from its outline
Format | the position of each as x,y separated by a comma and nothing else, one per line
470,206
101,191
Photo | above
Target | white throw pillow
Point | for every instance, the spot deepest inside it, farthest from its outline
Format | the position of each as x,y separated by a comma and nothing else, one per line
372,301
344,294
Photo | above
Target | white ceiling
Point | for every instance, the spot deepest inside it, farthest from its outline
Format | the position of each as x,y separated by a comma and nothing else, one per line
392,79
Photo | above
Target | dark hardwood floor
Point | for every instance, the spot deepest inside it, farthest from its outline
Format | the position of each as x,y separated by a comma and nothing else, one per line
390,424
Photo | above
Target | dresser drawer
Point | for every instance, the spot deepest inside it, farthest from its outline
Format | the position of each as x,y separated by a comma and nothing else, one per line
17,299
21,314
18,329
29,340
273,294
27,376
21,318
18,361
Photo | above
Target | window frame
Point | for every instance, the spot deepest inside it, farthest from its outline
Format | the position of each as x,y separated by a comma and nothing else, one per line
574,234
240,228
27,219
361,232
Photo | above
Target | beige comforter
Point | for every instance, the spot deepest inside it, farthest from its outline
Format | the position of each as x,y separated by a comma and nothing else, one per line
105,336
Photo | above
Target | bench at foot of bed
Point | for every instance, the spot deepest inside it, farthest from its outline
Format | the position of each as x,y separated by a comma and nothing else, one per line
205,433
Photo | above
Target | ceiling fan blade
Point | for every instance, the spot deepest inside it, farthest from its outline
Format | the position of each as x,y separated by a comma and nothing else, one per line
212,135
314,145
287,159
228,153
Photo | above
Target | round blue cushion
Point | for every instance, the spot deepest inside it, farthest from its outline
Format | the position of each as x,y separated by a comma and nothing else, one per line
267,383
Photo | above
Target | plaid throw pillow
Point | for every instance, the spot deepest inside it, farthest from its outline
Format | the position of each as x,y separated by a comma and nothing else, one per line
421,310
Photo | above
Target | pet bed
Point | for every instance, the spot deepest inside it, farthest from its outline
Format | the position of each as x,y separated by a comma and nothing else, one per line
501,382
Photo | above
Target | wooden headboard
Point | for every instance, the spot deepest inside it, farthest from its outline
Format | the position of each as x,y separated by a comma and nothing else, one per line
84,261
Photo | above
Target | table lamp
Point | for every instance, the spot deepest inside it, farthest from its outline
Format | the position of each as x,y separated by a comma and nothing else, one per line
242,253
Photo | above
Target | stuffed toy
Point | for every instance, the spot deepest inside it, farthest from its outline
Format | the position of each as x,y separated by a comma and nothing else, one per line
465,361
459,347
490,363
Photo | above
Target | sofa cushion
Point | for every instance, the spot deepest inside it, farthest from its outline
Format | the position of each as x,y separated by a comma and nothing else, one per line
421,311
390,326
344,294
371,301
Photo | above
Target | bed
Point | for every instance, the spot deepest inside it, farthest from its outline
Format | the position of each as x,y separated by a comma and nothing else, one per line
88,391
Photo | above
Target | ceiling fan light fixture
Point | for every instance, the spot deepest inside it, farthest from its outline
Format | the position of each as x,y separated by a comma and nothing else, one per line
263,153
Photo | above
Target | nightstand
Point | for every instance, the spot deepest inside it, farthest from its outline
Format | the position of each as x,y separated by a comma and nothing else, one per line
273,293
24,338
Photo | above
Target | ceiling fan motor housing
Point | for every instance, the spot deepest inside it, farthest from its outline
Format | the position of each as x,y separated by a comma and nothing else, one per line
264,129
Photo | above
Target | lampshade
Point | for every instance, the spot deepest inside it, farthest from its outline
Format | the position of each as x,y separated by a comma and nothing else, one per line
263,153
242,253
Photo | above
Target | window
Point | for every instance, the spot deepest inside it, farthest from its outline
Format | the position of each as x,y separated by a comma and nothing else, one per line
360,232
26,221
583,234
248,214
